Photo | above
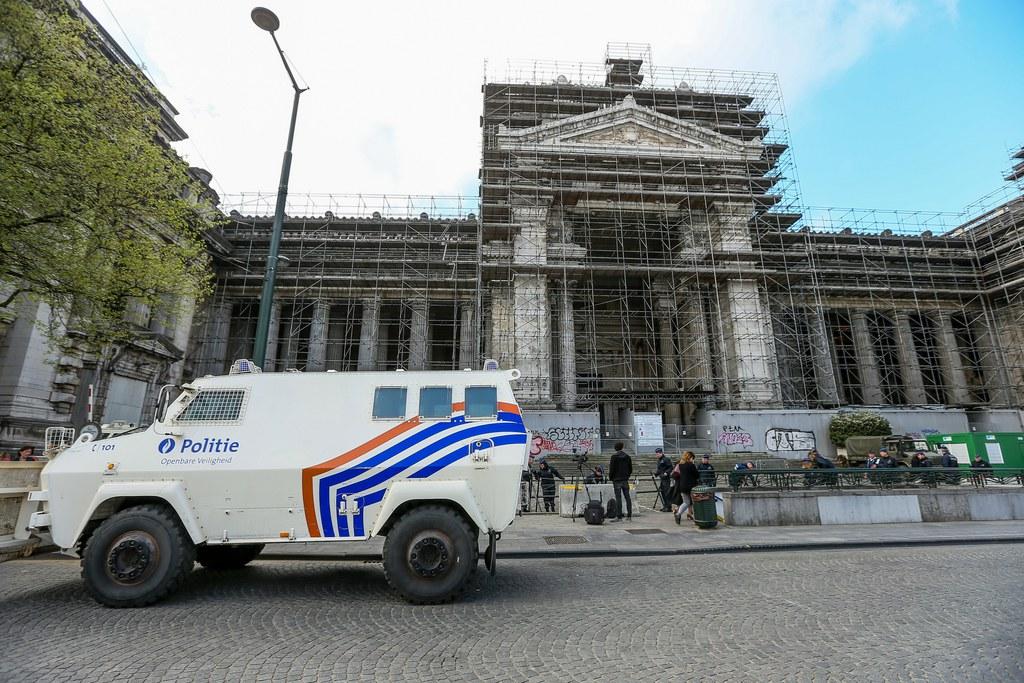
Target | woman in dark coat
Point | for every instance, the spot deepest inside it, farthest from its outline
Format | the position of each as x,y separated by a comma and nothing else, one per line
546,474
686,476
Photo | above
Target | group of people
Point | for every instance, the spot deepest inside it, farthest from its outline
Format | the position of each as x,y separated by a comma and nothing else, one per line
676,481
620,469
25,453
920,459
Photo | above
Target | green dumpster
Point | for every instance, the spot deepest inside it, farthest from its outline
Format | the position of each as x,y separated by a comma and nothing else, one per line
705,513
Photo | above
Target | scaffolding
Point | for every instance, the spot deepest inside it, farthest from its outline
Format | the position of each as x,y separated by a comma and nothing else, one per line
638,245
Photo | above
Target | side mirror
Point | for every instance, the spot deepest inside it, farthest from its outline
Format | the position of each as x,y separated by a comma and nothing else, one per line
163,400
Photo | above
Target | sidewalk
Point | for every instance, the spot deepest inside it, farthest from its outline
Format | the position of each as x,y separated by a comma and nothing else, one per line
653,533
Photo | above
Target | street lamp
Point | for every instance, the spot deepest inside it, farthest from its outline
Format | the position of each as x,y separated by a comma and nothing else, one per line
269,22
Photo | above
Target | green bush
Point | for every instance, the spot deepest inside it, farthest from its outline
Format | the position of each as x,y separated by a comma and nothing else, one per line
859,423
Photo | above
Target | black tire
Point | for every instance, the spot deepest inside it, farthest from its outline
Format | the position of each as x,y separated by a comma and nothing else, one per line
137,556
430,555
226,557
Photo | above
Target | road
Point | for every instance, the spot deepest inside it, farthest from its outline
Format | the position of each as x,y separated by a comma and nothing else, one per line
927,613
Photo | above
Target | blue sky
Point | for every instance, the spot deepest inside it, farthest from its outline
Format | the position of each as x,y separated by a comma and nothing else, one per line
922,121
893,104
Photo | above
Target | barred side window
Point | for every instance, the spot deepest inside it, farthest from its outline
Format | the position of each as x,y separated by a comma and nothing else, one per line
213,405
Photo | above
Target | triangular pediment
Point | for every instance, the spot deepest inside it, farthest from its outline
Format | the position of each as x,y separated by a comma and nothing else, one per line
631,132
628,128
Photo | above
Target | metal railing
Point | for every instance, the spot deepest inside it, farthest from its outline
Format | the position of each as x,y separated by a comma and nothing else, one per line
862,478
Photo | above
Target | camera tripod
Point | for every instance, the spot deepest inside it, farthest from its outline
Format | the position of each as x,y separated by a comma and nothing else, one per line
579,460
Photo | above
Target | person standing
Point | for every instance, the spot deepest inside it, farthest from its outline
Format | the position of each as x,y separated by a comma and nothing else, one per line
525,485
980,463
920,460
886,461
547,475
706,470
620,469
664,474
688,478
949,462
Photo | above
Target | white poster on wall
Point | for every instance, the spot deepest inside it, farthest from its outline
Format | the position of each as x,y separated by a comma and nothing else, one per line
959,451
995,453
649,433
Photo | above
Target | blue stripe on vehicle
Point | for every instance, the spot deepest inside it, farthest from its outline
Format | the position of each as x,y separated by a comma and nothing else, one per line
442,462
456,454
329,511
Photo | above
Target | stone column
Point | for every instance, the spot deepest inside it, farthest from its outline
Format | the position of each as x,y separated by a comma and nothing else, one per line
216,347
568,347
867,363
271,352
993,362
729,226
502,341
609,419
383,343
953,376
913,382
467,337
532,329
821,347
667,361
418,324
748,350
316,356
369,332
700,344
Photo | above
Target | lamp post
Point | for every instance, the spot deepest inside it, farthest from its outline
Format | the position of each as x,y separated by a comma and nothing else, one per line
269,22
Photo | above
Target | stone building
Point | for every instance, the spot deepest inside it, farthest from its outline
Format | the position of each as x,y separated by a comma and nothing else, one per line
638,247
42,385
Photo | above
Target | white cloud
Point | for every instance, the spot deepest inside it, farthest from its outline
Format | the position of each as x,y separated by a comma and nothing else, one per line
395,87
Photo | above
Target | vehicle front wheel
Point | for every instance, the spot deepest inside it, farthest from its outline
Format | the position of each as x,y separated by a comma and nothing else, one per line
224,557
430,555
137,557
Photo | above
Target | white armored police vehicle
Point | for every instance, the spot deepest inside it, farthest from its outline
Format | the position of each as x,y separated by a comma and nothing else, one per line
429,460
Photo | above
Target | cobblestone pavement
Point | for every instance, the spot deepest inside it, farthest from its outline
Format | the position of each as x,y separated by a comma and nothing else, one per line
877,614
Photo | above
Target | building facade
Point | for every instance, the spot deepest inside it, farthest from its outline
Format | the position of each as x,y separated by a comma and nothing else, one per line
638,247
46,378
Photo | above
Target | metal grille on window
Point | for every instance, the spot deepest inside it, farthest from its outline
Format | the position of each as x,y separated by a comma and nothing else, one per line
218,405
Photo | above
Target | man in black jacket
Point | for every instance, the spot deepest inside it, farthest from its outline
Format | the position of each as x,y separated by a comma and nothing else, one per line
546,475
706,470
620,468
664,474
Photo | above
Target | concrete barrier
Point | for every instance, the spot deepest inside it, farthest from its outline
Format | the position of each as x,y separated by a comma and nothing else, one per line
600,492
16,480
782,508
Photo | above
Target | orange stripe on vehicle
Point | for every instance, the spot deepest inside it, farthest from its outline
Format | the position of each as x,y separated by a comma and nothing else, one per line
310,472
456,407
508,407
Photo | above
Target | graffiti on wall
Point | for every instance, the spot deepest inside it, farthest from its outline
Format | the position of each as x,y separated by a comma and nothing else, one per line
733,435
784,439
562,440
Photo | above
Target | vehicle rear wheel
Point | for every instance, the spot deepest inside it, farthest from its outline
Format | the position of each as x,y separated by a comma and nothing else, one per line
137,557
223,557
430,555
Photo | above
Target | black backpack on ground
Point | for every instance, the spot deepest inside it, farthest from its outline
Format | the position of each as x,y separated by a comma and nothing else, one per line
594,513
612,508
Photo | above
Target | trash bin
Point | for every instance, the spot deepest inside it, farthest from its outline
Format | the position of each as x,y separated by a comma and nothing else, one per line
705,513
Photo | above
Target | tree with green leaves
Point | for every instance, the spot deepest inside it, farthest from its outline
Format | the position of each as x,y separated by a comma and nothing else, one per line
857,423
97,214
